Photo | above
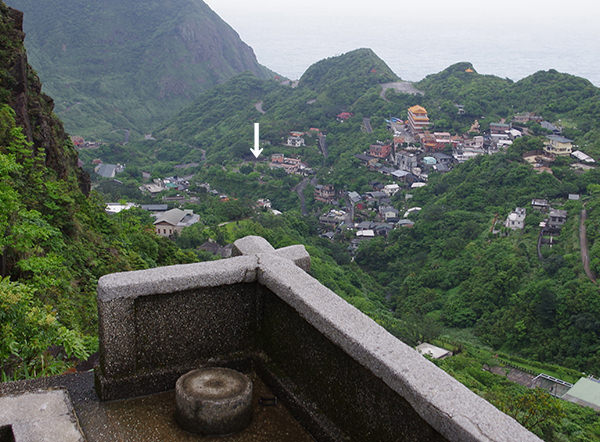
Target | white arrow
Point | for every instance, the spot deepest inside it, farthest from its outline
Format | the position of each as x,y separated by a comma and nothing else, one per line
257,150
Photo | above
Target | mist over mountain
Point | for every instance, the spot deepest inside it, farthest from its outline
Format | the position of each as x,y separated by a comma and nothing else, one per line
114,66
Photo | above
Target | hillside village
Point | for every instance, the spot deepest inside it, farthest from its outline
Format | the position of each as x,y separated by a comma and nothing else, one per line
405,161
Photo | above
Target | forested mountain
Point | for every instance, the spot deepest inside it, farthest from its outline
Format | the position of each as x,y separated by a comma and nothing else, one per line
344,78
55,239
220,120
555,95
114,66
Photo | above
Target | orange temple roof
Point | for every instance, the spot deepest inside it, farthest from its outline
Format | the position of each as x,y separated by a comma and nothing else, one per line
417,110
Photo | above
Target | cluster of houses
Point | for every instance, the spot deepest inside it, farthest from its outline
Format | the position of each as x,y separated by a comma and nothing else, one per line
555,217
291,165
551,225
81,143
374,207
415,152
410,165
170,183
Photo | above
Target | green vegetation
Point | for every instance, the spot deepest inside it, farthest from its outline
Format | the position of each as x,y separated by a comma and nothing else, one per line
343,79
449,280
112,68
56,243
548,417
451,268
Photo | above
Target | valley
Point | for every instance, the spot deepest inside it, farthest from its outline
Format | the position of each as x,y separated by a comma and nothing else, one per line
461,211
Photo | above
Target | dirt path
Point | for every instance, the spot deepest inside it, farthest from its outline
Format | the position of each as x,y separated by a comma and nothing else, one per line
404,87
585,256
258,107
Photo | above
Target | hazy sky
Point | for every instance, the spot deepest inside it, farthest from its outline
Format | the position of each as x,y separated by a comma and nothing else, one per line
574,10
510,38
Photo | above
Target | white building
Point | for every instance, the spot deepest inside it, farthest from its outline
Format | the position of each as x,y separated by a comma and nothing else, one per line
391,189
516,219
117,207
295,141
582,156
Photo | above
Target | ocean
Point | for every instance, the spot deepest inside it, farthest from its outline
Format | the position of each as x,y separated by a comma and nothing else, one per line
414,47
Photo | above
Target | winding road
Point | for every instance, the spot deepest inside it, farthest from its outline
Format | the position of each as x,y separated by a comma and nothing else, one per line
299,189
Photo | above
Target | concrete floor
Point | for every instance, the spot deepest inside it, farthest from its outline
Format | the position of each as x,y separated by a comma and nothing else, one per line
151,418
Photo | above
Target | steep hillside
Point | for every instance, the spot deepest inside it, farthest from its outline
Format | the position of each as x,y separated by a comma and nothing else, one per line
55,239
451,268
460,83
116,65
221,119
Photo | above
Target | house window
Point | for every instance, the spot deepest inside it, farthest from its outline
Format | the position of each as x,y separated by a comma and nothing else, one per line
164,231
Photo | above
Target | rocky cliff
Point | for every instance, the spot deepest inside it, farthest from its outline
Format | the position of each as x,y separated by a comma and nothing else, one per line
20,87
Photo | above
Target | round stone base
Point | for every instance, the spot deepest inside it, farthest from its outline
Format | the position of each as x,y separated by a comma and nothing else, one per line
213,401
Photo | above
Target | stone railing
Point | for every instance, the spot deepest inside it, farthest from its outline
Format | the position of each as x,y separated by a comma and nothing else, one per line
341,374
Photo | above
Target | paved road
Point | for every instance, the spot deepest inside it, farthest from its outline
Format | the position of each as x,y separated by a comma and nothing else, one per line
585,257
299,189
367,125
350,216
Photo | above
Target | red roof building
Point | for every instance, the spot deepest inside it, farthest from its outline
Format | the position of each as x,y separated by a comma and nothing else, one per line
380,150
343,116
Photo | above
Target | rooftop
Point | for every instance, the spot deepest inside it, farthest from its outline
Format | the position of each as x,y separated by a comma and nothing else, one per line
417,109
177,217
559,139
585,392
106,170
338,373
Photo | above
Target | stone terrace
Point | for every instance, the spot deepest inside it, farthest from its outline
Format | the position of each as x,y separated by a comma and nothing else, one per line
339,375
